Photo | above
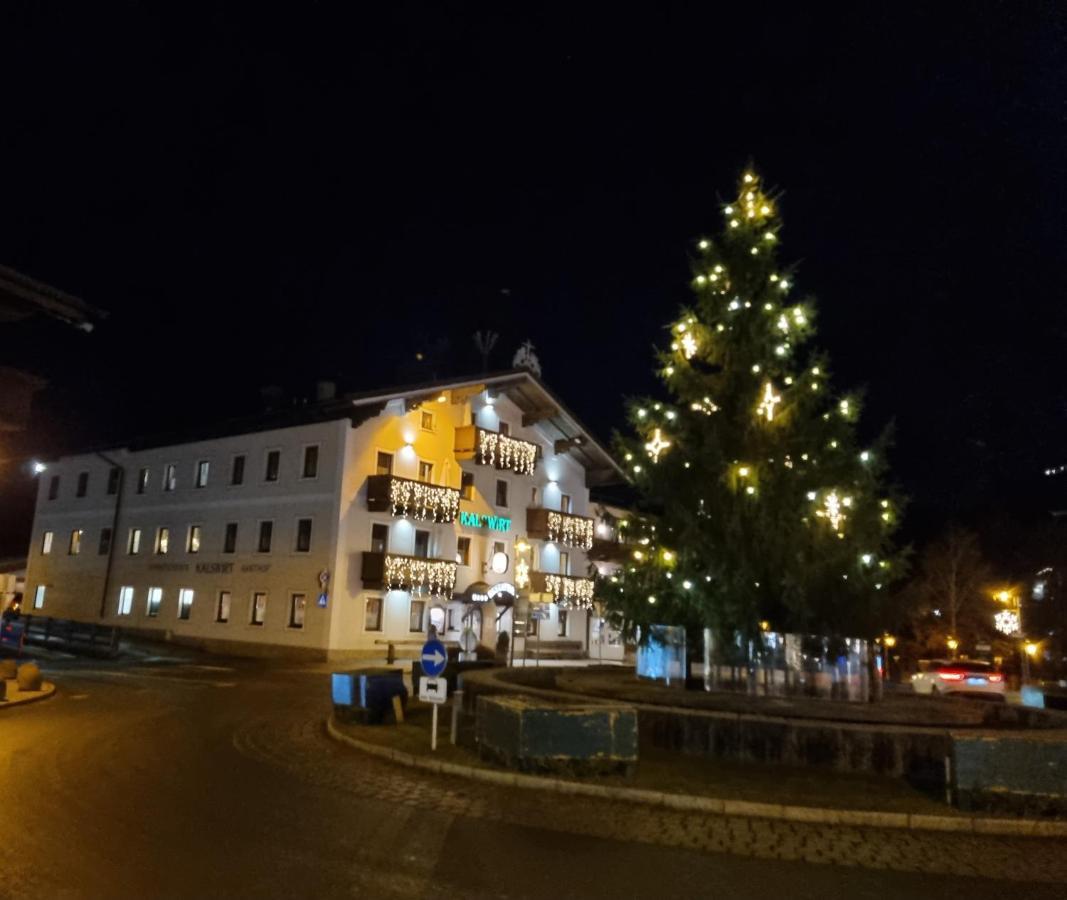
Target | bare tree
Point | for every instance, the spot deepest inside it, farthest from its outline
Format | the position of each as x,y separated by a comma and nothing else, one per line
952,584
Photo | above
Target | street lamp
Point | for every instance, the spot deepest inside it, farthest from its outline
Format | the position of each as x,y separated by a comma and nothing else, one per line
1010,622
952,645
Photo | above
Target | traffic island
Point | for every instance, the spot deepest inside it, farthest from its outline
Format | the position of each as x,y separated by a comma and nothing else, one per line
714,787
12,695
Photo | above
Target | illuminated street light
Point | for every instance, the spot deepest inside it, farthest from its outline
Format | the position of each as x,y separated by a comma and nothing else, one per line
952,644
889,640
38,467
1031,648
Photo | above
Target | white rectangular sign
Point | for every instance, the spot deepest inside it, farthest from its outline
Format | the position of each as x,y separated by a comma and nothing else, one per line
433,690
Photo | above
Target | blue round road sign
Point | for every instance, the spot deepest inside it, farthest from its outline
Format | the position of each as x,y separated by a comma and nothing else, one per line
434,658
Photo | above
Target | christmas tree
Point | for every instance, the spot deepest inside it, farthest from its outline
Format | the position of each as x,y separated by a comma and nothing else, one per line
758,506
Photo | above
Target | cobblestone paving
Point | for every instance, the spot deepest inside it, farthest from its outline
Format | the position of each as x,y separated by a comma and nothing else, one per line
301,746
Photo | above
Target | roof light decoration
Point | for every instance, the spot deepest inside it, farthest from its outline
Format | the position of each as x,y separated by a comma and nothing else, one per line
656,446
570,593
769,401
506,452
423,501
431,576
574,530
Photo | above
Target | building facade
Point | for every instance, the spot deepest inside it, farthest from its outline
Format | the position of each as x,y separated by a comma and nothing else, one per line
344,529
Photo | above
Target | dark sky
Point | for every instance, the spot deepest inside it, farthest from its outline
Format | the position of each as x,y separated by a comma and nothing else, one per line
265,196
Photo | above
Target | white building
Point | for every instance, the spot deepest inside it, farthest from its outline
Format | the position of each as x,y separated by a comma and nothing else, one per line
335,529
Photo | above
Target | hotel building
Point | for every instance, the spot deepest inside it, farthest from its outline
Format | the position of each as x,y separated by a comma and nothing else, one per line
341,529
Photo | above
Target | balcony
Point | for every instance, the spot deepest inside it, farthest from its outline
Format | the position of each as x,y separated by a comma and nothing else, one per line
607,550
407,497
563,528
398,572
488,448
567,591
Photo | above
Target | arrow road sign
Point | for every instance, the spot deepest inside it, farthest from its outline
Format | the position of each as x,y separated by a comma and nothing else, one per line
434,658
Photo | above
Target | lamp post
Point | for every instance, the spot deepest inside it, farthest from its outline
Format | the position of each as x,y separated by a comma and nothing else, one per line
1014,628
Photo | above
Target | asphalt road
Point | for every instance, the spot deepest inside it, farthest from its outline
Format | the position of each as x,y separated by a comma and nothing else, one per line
216,779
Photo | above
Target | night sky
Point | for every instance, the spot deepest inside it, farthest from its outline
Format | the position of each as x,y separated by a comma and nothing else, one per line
274,197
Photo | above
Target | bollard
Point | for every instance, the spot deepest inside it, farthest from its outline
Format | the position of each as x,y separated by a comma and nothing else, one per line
457,702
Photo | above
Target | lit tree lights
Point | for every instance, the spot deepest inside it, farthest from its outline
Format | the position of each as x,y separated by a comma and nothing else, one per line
757,501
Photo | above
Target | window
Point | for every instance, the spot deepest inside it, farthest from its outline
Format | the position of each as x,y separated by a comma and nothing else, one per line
162,541
372,614
202,469
125,600
266,530
185,603
142,480
422,544
437,619
384,464
170,477
311,461
229,542
133,542
463,551
452,620
46,542
379,538
303,535
564,563
237,470
501,492
297,605
259,607
114,474
427,421
565,503
504,428
563,623
104,546
426,472
222,609
192,543
533,496
53,488
83,484
75,542
499,547
418,610
274,463
38,597
155,601
466,485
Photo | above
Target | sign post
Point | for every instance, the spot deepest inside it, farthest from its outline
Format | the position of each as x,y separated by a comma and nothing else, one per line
432,688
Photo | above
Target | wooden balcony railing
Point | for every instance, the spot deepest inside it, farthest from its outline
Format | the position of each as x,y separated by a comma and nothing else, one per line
566,590
396,571
563,528
407,497
488,448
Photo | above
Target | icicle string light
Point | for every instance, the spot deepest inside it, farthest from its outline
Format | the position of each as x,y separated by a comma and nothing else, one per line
506,452
423,501
573,593
431,576
573,530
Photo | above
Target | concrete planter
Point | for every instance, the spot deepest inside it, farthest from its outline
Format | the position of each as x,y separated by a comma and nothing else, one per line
534,736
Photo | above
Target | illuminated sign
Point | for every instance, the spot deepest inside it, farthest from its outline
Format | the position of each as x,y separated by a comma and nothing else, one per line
493,523
491,593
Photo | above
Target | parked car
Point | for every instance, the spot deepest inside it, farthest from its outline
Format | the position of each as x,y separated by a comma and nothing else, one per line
974,677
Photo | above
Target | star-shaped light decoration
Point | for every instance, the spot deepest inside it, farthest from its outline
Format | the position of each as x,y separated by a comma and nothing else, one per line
769,402
1007,622
657,445
832,510
689,345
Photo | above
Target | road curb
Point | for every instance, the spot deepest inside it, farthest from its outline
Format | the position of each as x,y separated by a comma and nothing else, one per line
47,690
715,805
